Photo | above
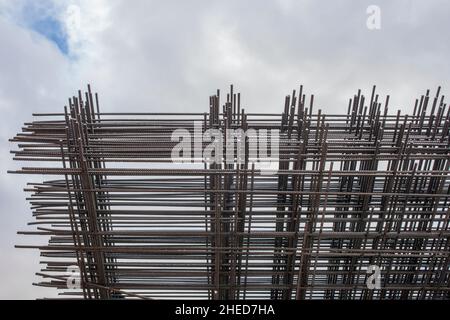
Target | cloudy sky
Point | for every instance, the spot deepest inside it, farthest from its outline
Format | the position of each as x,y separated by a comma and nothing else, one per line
171,55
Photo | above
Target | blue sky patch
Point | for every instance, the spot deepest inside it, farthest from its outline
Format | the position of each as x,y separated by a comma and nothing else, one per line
43,19
53,31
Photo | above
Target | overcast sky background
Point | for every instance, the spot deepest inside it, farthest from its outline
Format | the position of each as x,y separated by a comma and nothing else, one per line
169,56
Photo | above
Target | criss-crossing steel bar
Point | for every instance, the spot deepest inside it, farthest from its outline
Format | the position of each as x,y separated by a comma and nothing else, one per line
350,191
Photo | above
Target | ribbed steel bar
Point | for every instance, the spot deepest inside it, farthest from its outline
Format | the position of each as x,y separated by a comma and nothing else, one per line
349,192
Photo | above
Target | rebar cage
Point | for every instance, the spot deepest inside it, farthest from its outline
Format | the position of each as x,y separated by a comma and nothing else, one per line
351,192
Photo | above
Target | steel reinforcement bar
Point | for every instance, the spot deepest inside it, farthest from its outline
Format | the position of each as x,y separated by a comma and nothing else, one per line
349,191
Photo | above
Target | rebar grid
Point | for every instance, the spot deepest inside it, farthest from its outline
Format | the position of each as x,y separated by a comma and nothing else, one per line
352,190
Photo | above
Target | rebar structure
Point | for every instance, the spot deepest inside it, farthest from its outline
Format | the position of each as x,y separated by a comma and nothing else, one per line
352,192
